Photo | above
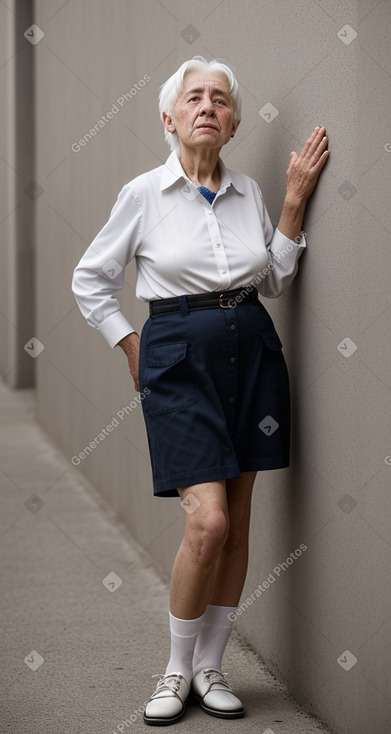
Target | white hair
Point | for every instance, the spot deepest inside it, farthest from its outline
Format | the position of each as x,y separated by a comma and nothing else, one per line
172,88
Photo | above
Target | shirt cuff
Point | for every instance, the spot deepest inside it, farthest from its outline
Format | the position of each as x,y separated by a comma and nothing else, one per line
114,328
280,241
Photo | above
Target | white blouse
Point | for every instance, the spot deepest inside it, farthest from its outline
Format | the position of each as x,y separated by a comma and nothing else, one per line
182,244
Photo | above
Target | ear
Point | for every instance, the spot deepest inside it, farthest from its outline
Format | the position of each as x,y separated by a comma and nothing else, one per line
235,127
168,122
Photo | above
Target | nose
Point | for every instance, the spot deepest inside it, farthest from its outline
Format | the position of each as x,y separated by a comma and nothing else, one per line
207,106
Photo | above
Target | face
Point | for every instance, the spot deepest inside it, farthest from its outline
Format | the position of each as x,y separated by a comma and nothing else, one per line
203,115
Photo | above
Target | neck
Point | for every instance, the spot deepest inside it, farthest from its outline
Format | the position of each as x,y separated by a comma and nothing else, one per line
201,166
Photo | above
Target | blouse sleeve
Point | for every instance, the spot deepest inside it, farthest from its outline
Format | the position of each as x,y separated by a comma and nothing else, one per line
101,271
283,256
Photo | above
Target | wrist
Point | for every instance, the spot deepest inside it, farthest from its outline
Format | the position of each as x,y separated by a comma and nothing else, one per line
294,203
129,342
291,219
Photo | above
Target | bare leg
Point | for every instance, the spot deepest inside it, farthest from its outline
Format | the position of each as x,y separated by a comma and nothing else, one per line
211,563
209,568
231,566
229,574
206,531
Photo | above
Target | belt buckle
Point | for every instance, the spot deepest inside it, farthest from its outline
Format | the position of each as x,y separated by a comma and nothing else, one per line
221,296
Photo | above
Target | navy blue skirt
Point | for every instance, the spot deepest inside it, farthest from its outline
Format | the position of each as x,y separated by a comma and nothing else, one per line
219,401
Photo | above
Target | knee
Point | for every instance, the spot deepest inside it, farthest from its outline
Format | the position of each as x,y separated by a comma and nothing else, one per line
237,535
234,539
208,535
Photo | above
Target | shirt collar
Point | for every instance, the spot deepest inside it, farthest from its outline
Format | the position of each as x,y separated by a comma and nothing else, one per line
173,171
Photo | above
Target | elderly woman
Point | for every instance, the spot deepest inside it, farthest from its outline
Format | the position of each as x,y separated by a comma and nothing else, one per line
209,364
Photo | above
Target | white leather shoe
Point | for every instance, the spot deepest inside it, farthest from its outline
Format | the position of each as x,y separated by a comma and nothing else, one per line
167,703
215,697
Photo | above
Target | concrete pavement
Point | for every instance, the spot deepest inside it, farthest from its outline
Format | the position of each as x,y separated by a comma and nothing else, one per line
84,613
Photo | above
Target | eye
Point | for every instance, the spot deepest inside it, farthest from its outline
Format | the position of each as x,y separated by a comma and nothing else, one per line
192,99
220,101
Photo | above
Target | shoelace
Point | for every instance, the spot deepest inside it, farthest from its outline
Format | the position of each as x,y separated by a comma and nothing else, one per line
170,681
215,676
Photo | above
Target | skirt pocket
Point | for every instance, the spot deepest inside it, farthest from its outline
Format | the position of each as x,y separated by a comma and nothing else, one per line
168,376
275,365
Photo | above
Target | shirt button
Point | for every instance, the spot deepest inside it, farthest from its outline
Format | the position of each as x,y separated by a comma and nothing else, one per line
232,327
233,359
218,244
230,400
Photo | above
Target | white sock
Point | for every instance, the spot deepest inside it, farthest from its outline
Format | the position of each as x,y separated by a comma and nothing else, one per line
183,639
213,637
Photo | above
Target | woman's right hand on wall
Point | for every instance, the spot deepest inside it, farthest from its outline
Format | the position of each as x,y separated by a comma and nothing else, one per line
130,344
304,169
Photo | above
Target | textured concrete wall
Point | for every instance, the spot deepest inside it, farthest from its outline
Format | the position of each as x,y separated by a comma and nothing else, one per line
17,195
323,623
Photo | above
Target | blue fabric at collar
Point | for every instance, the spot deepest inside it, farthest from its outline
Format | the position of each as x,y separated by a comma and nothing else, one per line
172,171
209,195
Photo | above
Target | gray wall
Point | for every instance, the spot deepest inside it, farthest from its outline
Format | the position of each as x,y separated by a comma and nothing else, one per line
334,498
18,194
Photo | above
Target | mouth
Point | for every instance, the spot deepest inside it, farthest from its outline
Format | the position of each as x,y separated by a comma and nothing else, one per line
206,127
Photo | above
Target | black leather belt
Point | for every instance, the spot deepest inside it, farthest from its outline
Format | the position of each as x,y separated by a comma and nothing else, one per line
225,299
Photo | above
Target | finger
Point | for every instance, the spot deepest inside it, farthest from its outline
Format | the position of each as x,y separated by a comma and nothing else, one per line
309,142
314,155
323,158
318,141
313,142
322,147
320,163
